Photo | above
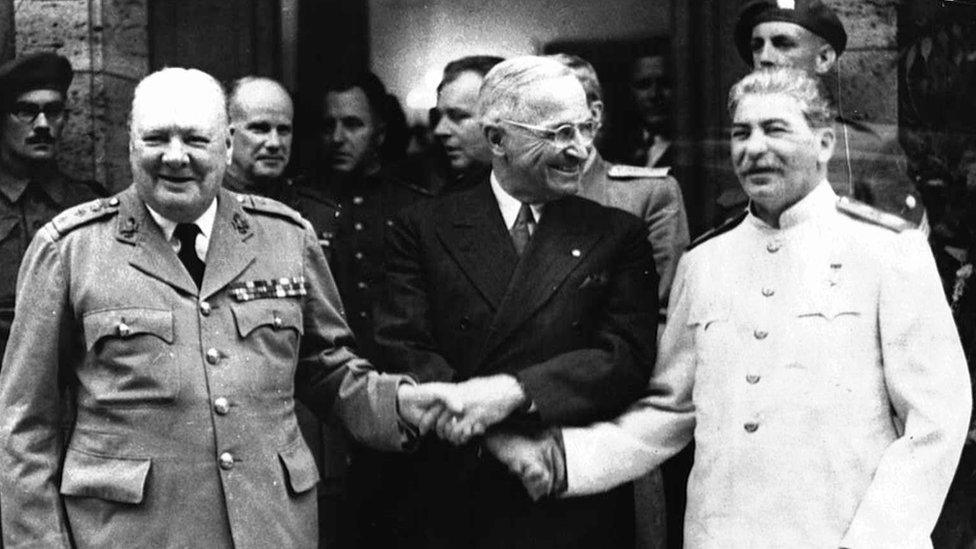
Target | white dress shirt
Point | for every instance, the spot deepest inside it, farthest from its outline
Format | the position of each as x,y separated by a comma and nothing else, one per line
510,205
205,222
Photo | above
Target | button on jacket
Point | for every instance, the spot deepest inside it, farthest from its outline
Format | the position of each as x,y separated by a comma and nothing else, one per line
821,373
185,433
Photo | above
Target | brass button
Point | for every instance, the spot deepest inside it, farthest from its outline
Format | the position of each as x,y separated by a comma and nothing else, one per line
773,246
389,222
213,356
113,201
362,285
768,292
205,308
362,314
358,255
752,379
277,321
358,226
760,335
221,406
123,329
226,461
357,200
750,427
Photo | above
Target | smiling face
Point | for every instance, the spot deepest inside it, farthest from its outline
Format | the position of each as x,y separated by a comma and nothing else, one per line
32,141
777,156
459,129
179,143
261,126
534,169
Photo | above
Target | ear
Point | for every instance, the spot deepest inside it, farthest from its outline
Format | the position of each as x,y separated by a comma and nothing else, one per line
826,57
230,145
494,135
826,142
597,108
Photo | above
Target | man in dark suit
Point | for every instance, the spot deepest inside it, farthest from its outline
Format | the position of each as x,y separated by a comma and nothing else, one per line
531,306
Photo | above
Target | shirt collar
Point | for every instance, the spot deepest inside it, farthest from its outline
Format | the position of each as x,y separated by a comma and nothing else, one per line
818,201
510,205
49,182
205,221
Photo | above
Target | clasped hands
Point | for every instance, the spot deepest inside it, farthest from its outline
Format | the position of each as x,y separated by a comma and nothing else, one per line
458,412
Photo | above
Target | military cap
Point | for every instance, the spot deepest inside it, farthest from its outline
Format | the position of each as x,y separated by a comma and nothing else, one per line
812,15
36,71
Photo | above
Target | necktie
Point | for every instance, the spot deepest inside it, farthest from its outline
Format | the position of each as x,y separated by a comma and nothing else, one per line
523,228
187,233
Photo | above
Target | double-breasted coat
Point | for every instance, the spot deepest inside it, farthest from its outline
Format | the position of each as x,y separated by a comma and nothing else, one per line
573,319
185,433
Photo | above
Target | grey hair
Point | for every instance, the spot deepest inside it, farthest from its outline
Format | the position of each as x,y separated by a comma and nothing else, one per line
794,83
177,83
584,72
503,89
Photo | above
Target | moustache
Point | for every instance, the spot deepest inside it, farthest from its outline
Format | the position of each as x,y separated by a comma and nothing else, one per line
40,139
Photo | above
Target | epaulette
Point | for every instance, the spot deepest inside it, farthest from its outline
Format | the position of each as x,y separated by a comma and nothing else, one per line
84,213
864,212
268,206
729,224
622,171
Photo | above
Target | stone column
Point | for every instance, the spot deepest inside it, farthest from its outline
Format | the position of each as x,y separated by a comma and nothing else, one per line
108,46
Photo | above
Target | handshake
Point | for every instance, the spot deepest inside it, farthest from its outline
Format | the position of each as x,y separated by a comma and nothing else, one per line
460,412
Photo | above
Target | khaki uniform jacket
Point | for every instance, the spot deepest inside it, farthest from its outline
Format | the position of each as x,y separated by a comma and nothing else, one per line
819,369
185,433
655,199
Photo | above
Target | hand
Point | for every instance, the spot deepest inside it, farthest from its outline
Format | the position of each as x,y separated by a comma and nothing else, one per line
536,459
422,405
486,401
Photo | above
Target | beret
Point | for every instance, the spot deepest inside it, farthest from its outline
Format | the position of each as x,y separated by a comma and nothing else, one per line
812,15
36,71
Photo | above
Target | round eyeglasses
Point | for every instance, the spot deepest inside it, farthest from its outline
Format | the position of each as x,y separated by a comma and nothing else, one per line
27,112
564,135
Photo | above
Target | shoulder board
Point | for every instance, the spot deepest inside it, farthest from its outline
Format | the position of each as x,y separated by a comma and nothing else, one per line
622,171
870,214
729,224
84,213
268,206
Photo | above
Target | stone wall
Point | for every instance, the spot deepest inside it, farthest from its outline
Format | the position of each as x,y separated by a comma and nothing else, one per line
107,44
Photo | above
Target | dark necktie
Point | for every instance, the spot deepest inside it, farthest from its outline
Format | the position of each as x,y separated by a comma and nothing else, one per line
523,228
187,233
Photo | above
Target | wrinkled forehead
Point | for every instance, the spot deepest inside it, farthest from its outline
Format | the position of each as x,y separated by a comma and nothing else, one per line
552,101
179,112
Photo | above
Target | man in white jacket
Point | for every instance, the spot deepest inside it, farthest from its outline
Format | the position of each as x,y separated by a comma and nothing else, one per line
809,350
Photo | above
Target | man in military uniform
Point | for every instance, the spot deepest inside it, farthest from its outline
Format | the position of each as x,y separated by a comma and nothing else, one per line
365,194
456,125
186,319
831,397
33,92
261,124
808,35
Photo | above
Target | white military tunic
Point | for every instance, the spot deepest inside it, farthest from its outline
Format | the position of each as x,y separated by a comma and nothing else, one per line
819,369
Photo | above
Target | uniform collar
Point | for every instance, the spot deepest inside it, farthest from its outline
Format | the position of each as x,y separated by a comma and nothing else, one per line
510,205
816,203
50,182
205,222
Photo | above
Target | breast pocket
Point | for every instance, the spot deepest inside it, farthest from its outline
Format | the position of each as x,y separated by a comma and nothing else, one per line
270,327
133,357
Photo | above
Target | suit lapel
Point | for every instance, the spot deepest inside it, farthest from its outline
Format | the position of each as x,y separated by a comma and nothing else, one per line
152,254
474,234
229,252
561,243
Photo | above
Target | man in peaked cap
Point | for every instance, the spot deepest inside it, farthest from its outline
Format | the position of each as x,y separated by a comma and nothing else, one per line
808,35
33,90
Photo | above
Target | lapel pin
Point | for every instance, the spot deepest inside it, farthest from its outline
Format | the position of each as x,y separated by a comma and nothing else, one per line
576,253
240,223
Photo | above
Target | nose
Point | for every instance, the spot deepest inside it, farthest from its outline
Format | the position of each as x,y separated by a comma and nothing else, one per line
755,145
41,121
440,130
337,135
175,155
765,56
274,141
579,148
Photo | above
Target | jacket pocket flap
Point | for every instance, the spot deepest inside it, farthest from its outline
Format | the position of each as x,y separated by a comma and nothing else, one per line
705,312
300,469
278,314
113,479
129,322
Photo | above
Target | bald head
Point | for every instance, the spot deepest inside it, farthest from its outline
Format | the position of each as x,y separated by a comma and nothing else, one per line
261,114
